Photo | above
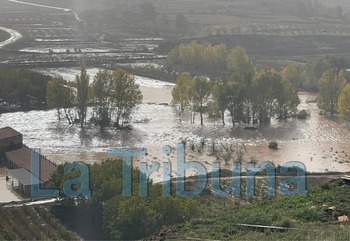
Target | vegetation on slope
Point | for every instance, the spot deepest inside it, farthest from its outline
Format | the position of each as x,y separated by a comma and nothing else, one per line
32,223
312,218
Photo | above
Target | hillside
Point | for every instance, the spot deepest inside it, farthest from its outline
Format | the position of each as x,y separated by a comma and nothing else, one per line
311,218
32,223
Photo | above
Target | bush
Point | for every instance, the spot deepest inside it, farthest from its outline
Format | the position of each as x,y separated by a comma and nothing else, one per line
285,222
273,145
303,114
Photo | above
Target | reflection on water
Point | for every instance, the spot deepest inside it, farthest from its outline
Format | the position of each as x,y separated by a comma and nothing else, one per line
320,143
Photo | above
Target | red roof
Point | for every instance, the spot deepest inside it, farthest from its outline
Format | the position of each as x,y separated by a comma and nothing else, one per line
23,159
8,132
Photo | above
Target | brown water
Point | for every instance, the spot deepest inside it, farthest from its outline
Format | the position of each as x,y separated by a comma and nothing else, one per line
320,143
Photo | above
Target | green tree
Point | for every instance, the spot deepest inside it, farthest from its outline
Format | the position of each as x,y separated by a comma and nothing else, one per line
201,92
239,64
181,92
82,83
101,94
287,100
330,86
344,103
59,95
241,70
266,84
125,218
234,94
125,95
294,74
195,57
221,96
130,218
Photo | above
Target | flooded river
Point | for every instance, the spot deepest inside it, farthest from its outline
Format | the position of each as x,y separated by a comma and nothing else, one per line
321,144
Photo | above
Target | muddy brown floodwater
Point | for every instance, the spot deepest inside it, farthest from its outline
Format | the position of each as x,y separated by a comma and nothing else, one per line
320,143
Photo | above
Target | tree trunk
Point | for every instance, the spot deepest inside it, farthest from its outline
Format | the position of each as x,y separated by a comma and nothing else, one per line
117,122
223,117
232,118
201,118
68,118
58,114
81,116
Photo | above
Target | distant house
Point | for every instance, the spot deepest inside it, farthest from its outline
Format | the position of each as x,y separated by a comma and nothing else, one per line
18,158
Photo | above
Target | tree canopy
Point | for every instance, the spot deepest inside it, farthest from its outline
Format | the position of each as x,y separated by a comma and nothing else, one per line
82,83
126,218
344,103
59,95
330,84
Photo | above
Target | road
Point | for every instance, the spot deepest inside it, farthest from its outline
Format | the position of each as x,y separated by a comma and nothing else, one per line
42,6
50,7
14,36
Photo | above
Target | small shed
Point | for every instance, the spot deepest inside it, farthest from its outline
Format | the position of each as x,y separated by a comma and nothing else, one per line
10,139
24,180
22,158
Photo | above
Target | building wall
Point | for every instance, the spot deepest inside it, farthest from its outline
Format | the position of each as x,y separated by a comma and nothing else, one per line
12,142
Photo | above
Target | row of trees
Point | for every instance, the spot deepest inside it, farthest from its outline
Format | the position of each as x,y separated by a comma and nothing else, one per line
334,94
213,60
112,94
22,88
195,57
249,94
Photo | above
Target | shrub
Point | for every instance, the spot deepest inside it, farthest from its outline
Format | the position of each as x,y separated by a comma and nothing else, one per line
303,114
273,145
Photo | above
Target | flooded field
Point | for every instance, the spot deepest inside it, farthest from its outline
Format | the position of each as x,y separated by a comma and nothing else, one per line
321,144
62,40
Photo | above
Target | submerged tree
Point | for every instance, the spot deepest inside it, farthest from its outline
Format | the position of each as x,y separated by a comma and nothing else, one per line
241,70
222,96
125,95
330,86
59,95
82,83
344,103
287,100
181,93
266,83
101,93
201,92
294,74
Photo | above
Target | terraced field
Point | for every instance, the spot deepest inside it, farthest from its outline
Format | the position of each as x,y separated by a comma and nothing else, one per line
32,223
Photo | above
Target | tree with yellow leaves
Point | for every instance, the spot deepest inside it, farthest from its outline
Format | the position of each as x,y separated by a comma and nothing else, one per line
344,103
